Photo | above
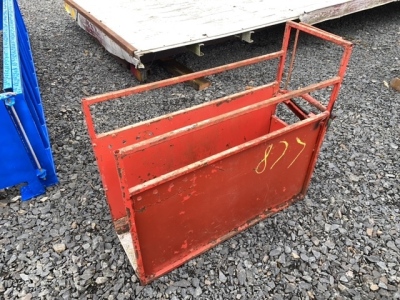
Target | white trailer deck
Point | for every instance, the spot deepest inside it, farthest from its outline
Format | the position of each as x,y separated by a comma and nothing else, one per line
130,29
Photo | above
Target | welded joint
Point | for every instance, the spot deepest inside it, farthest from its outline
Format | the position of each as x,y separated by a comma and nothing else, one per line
246,36
195,48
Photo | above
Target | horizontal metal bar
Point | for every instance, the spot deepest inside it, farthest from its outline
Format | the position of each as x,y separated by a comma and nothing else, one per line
275,100
207,161
179,79
310,99
215,102
320,33
163,178
314,102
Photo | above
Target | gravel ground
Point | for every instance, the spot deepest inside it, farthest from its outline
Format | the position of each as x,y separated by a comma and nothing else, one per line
341,242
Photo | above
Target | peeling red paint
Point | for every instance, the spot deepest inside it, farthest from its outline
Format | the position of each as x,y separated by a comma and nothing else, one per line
185,244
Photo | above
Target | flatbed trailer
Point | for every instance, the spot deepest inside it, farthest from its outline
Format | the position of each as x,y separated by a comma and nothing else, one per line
133,29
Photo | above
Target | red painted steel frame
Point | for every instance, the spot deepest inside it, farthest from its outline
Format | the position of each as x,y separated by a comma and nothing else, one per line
182,182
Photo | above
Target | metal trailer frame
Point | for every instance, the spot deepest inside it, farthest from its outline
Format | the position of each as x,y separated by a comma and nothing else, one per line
181,183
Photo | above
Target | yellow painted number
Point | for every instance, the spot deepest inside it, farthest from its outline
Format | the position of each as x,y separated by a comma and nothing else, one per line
262,165
299,141
283,153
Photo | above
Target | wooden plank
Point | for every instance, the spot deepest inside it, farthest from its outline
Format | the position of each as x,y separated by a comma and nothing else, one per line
176,68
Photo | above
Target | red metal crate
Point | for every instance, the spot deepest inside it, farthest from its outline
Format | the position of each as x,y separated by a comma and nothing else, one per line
179,184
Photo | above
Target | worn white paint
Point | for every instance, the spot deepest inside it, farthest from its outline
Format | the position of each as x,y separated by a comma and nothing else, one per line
127,244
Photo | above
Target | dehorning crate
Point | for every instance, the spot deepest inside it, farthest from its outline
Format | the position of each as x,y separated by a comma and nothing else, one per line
179,184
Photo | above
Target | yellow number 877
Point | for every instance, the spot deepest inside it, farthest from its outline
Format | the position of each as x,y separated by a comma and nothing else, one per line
262,165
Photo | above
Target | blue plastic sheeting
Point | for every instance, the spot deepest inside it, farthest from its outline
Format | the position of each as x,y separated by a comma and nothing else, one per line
25,152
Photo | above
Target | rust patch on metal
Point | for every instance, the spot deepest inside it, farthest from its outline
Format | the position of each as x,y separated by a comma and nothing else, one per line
141,210
122,225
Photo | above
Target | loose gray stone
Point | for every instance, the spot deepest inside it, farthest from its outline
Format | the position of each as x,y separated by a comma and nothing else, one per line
182,283
382,265
59,248
330,244
304,286
241,275
341,287
382,285
316,254
248,264
198,292
222,277
275,252
327,227
290,288
27,297
295,255
391,245
56,196
101,280
118,285
304,257
373,258
195,282
315,240
374,287
335,226
24,277
290,278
